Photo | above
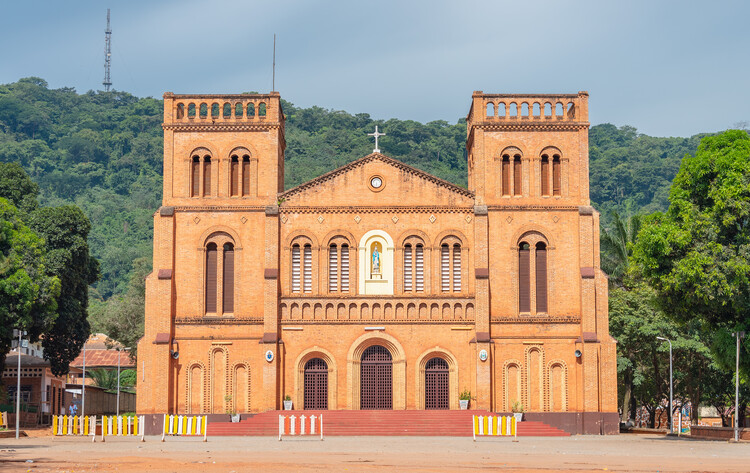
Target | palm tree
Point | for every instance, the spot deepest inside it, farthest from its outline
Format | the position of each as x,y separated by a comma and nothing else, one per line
617,246
104,378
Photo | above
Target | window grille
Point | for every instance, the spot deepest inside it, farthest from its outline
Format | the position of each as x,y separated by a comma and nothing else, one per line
541,277
333,268
517,175
344,268
419,267
445,268
245,176
308,269
407,268
295,269
196,170
207,176
235,176
556,185
524,276
228,286
506,175
211,279
456,268
545,175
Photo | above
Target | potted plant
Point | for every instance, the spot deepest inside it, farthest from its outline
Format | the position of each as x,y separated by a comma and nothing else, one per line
517,409
464,398
287,402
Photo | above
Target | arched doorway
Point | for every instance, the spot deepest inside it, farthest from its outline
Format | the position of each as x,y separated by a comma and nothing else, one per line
316,384
376,382
436,384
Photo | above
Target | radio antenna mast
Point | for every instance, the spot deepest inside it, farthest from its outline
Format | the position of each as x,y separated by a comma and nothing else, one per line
273,81
107,55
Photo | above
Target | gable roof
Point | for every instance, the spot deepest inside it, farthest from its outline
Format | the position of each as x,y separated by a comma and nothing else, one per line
376,157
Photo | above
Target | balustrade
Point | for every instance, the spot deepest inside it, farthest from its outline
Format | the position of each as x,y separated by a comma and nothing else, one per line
368,309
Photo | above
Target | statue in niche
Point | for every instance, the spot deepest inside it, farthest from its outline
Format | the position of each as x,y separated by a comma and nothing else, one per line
375,260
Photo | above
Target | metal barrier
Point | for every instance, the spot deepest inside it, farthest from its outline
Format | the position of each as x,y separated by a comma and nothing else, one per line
4,420
74,425
496,426
303,430
184,425
123,426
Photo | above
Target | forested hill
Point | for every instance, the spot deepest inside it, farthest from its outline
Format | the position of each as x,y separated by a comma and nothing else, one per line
103,152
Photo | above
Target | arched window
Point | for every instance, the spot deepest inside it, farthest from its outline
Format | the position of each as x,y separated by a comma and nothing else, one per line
338,266
246,175
235,176
344,267
533,285
296,270
445,268
195,176
228,279
408,263
419,268
250,110
506,174
456,268
227,110
191,110
261,109
517,168
203,110
180,110
524,278
556,176
307,269
333,268
545,175
413,268
207,176
541,277
211,277
215,110
238,110
450,265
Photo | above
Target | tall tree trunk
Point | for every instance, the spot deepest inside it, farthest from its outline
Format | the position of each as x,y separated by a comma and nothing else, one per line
627,397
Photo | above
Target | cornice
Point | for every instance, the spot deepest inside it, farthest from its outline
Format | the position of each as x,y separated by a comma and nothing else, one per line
373,209
533,208
517,125
219,321
383,322
219,208
532,319
222,126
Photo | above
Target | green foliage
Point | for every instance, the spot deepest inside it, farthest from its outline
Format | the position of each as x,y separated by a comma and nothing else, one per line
65,231
28,294
17,187
630,172
128,378
697,254
122,316
616,246
104,378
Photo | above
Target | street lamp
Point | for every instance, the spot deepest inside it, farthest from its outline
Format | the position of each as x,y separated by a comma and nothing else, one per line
671,427
20,333
119,355
83,385
738,335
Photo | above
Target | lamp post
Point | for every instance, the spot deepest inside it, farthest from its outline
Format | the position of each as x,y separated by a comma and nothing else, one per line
119,355
18,383
83,385
738,335
671,427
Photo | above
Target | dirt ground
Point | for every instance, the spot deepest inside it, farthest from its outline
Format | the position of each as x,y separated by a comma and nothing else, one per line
622,453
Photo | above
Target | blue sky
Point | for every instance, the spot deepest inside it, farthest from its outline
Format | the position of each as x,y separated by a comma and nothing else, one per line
668,68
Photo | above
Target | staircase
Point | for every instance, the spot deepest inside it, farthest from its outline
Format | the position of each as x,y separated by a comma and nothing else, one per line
382,423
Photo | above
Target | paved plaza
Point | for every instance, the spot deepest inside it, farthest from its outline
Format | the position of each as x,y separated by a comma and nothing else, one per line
621,453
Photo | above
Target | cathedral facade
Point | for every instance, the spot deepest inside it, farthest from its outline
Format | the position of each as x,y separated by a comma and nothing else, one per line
377,285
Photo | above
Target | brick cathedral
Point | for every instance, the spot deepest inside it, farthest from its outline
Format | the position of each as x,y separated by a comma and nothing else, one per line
377,285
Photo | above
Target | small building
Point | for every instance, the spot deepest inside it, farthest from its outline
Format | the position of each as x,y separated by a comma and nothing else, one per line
101,352
41,391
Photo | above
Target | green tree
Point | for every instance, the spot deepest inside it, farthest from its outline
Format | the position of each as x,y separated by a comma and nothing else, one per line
122,317
617,246
17,187
65,231
28,294
697,254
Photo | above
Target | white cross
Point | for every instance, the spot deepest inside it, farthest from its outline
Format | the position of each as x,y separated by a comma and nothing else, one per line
376,135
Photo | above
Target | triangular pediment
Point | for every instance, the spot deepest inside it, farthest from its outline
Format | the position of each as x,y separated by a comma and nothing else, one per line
400,184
